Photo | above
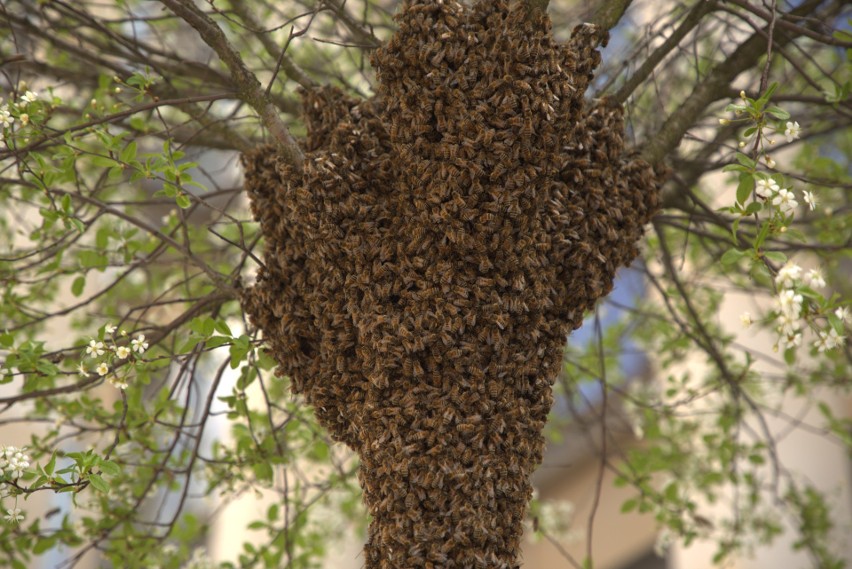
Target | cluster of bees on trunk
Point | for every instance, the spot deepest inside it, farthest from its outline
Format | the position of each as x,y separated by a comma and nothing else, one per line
423,269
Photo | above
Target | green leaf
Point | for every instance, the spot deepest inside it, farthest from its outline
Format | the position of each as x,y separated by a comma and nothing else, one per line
778,113
761,102
93,260
222,327
7,339
110,468
263,471
44,544
104,161
744,188
78,285
753,208
776,257
99,483
732,256
190,344
183,201
745,160
217,341
102,237
51,464
129,152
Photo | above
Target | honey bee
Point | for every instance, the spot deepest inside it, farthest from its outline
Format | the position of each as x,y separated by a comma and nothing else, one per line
527,128
411,501
497,172
446,339
523,85
501,320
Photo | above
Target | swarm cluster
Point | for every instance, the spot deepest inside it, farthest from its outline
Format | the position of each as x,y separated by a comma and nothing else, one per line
424,268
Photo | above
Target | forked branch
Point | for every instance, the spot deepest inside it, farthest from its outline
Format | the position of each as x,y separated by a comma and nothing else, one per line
249,88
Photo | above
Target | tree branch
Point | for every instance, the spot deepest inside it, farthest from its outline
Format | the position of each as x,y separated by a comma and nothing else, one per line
609,12
716,84
358,32
248,86
291,70
694,16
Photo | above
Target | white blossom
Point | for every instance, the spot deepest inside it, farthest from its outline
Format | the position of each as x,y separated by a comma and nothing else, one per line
789,303
14,461
792,131
745,318
789,324
788,341
139,344
6,119
769,161
765,187
82,369
109,329
842,313
14,516
102,369
829,340
785,200
788,275
29,97
25,119
810,199
95,349
122,352
815,278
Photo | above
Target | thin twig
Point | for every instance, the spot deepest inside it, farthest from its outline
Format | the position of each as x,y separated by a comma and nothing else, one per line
248,86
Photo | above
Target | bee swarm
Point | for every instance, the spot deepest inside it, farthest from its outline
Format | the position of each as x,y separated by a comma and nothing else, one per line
423,270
